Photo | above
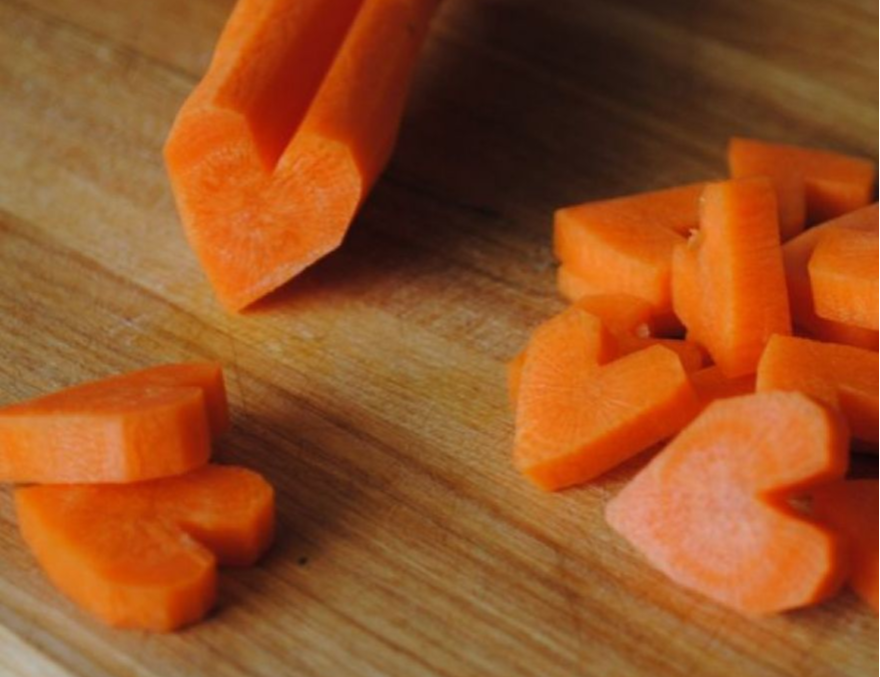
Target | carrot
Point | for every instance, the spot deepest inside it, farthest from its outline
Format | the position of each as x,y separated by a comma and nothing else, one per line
277,147
728,279
624,245
577,417
126,428
144,555
711,384
711,510
811,185
796,254
839,376
690,354
843,276
851,508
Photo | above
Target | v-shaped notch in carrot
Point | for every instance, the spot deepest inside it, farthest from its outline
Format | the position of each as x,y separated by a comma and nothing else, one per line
145,555
277,147
711,510
728,281
812,185
850,507
126,428
843,377
624,245
576,418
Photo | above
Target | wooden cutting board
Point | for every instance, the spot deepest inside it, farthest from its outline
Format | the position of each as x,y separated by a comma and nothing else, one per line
371,391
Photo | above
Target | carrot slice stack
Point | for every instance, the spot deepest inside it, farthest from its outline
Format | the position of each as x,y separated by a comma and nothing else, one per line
812,185
711,510
851,508
126,428
278,145
144,555
728,280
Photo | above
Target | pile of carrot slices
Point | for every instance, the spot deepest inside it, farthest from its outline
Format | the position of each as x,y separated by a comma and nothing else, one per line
124,512
733,325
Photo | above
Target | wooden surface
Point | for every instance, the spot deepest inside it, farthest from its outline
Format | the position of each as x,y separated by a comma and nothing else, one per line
371,391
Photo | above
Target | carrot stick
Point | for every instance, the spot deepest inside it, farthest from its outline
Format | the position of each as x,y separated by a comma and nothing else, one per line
811,185
276,148
728,280
144,555
851,509
126,428
711,510
843,276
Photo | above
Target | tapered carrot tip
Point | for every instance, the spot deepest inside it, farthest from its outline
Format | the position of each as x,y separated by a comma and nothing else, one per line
711,510
579,415
126,428
844,277
840,376
850,507
811,185
145,555
728,281
279,144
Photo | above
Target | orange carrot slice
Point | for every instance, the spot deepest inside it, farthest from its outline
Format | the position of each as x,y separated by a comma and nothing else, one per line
844,277
144,555
811,185
796,254
577,418
126,428
278,145
851,508
728,280
711,384
690,354
711,510
840,376
624,245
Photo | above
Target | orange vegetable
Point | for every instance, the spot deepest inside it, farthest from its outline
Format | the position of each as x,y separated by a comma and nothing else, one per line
137,426
844,277
811,185
728,279
851,508
711,384
576,417
711,510
144,555
624,245
796,254
279,144
840,376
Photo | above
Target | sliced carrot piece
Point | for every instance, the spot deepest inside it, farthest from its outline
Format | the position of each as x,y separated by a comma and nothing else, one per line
278,145
840,376
127,428
728,280
711,384
576,419
690,354
851,508
811,185
711,510
844,277
144,555
624,245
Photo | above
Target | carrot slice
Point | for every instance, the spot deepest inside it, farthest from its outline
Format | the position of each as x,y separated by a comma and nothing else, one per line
711,384
840,376
278,145
576,418
796,254
811,185
844,277
624,245
690,354
144,555
728,280
126,428
851,508
711,510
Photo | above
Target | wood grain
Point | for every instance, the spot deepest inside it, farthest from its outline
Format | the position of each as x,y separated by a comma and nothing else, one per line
371,391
